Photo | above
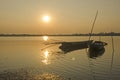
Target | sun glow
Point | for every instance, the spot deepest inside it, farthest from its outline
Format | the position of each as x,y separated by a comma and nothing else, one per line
46,18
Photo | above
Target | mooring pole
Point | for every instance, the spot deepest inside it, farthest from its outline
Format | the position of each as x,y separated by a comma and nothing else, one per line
93,25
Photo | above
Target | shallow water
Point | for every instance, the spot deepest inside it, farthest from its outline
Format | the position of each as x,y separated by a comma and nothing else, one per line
33,58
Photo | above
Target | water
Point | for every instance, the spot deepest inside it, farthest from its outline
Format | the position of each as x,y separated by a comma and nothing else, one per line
25,58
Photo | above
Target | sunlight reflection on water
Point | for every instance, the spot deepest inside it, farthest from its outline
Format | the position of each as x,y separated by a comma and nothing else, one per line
45,38
46,56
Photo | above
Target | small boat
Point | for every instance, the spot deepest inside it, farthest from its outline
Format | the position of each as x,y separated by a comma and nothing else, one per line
71,46
96,49
97,45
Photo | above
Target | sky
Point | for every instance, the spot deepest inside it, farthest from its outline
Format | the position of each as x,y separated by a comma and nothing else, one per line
66,16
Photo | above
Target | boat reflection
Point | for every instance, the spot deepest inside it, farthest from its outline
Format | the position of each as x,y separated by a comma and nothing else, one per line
46,56
95,53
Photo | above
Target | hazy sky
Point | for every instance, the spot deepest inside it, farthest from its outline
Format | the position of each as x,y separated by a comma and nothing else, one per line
67,16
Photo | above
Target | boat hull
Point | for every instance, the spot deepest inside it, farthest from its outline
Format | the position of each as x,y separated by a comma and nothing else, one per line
71,46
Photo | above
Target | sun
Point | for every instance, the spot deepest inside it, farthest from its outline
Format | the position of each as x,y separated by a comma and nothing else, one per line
46,18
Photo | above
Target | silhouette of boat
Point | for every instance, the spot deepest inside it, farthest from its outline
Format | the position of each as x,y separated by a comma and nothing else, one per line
97,45
72,46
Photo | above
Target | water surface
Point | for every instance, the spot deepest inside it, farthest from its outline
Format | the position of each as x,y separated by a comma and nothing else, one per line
33,58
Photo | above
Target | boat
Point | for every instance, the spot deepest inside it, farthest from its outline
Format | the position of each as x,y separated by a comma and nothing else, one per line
97,45
71,46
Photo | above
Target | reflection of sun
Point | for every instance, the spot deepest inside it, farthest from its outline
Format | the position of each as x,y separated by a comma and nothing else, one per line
46,54
46,18
46,57
45,61
45,38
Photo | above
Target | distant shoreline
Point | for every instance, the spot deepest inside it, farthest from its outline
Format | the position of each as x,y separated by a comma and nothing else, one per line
36,35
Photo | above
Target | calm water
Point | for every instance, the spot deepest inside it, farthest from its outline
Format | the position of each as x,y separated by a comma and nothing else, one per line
25,58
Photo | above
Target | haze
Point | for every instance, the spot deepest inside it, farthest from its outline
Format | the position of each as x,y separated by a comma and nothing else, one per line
67,16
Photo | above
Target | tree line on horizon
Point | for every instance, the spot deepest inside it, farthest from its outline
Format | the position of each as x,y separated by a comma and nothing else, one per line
76,34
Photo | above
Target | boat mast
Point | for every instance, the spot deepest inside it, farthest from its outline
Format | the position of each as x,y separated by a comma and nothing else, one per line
93,25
